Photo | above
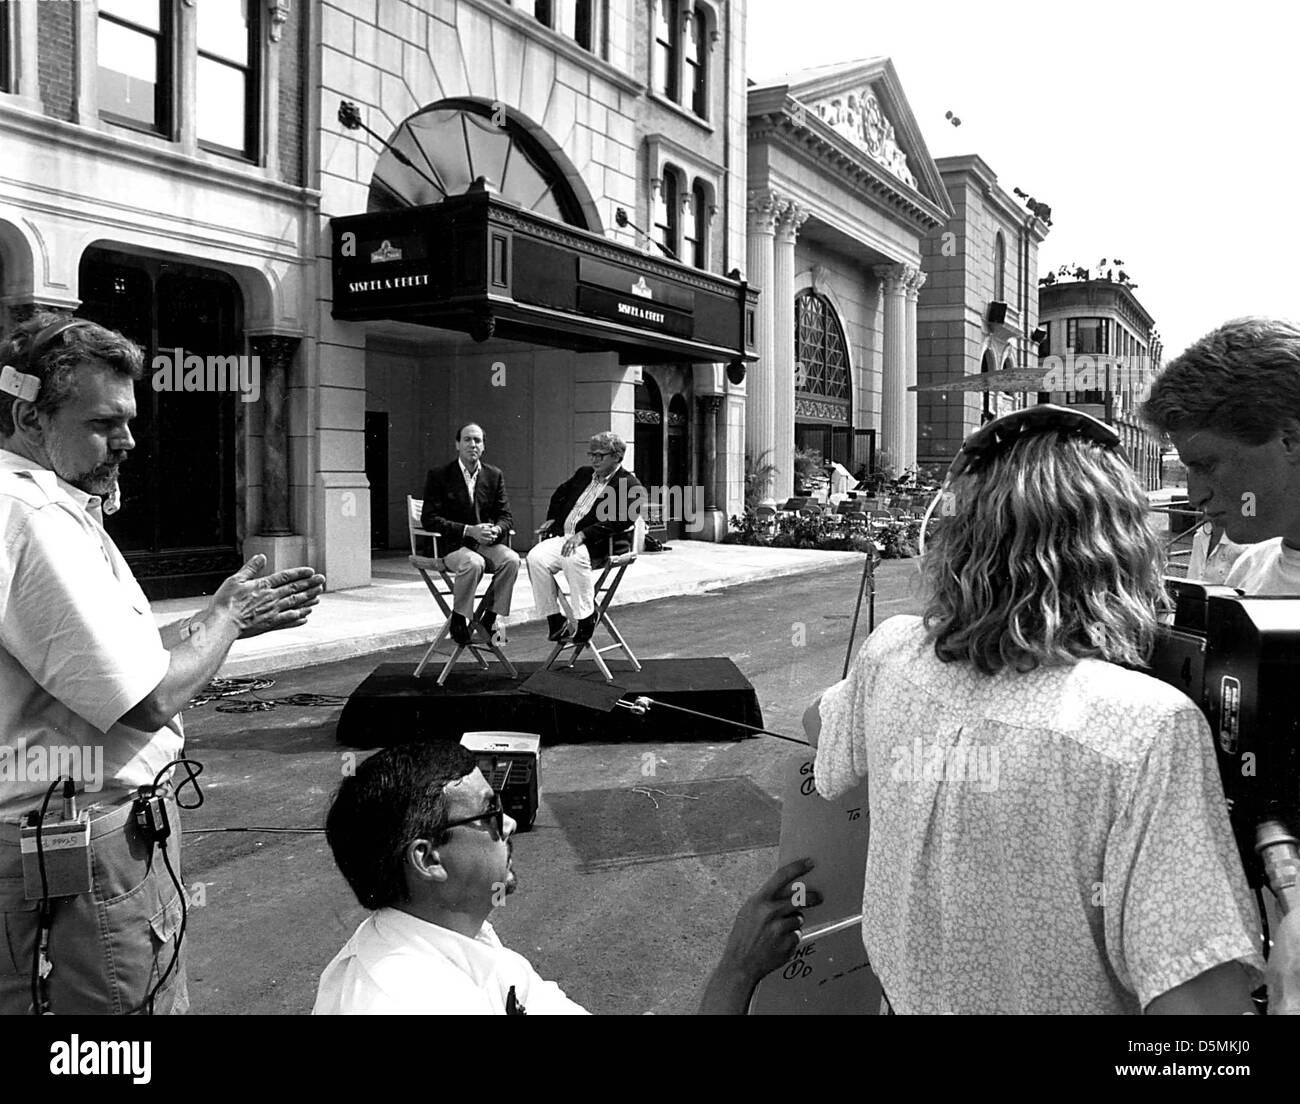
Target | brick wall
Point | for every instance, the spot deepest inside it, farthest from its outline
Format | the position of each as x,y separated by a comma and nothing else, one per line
293,60
57,58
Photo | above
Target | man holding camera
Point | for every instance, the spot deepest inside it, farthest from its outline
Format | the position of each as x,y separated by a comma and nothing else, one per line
1231,405
84,669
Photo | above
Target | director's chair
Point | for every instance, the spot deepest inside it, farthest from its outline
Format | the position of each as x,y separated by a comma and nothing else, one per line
428,566
604,595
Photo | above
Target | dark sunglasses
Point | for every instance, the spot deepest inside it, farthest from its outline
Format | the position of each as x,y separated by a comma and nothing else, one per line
495,811
1001,433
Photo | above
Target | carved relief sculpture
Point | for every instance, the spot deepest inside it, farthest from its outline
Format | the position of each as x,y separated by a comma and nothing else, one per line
861,119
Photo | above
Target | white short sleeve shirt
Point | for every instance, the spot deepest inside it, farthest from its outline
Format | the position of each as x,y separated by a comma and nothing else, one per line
1268,568
398,963
78,648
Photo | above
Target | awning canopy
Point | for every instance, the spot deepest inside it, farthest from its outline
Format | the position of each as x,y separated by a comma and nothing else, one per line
482,266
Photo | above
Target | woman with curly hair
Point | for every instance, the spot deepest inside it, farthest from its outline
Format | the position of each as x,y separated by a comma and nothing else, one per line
1048,830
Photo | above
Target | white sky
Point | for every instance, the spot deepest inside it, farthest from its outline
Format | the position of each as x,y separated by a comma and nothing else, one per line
1167,134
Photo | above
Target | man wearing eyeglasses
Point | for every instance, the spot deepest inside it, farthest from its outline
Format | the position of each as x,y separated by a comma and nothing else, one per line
587,514
422,840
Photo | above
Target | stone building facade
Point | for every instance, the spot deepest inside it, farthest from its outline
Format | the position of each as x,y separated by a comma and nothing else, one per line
842,195
615,121
154,163
1101,352
978,308
179,178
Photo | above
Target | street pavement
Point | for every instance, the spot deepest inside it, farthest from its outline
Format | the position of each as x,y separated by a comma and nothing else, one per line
633,936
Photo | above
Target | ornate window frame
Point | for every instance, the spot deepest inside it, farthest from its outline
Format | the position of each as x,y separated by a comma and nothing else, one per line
693,18
662,155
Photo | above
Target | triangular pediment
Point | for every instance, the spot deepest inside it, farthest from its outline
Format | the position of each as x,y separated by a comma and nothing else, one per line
863,102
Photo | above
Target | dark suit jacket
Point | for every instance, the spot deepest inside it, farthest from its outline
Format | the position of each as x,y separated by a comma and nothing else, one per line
610,518
447,508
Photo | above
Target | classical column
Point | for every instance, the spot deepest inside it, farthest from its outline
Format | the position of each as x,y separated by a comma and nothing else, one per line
760,435
791,218
893,394
914,282
709,405
274,355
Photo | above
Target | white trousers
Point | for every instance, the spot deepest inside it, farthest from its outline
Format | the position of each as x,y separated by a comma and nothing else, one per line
544,561
468,565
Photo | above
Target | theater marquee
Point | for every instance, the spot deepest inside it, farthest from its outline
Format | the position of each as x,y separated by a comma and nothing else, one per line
477,264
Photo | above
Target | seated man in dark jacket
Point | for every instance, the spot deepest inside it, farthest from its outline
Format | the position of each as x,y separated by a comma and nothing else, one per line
588,514
465,504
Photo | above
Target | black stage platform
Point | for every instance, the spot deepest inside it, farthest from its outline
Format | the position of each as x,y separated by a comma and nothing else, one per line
392,706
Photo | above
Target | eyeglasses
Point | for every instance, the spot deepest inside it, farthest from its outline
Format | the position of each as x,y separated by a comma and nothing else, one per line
598,455
496,810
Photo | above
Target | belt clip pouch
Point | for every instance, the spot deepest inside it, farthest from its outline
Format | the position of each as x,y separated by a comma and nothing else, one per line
66,848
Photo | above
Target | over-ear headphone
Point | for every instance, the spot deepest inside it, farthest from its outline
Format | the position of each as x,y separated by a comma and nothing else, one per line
24,385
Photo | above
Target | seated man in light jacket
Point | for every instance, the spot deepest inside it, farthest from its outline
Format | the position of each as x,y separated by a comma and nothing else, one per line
588,513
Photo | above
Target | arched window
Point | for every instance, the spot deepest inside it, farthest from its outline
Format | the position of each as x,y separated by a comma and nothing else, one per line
667,49
1000,268
441,150
669,211
821,353
696,57
695,246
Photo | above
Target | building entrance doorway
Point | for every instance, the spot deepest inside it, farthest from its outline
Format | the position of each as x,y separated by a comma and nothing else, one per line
178,526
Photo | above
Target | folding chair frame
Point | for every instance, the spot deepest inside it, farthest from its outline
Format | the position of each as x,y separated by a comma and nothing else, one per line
604,594
478,642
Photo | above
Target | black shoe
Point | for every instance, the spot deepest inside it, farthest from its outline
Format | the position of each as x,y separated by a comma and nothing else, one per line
488,620
586,626
557,626
459,629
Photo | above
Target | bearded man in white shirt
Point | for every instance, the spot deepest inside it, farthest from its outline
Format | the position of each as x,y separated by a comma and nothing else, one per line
1231,405
424,843
84,671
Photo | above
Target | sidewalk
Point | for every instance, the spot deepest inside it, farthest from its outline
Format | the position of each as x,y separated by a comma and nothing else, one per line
396,610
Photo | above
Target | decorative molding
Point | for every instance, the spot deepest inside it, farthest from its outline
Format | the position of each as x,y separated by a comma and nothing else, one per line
838,159
791,218
861,119
764,207
821,408
278,10
894,277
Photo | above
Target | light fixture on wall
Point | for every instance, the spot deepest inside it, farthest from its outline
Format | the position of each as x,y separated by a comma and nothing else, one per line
620,217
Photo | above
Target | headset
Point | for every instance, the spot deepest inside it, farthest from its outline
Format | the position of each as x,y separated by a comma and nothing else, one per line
24,385
1003,433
